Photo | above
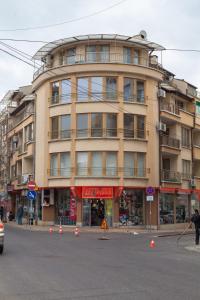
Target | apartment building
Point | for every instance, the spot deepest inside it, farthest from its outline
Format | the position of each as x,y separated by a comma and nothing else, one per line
110,121
17,146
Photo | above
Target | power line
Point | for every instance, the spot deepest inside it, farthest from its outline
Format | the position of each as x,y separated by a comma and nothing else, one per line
17,57
66,22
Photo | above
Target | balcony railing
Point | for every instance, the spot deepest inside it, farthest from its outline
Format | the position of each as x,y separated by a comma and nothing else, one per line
19,118
99,57
171,176
170,108
169,141
99,172
61,134
138,134
23,178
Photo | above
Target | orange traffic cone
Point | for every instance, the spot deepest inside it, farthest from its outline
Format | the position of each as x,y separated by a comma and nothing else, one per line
60,229
50,230
152,244
76,231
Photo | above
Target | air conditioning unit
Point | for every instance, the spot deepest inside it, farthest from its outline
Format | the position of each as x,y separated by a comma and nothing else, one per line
162,127
161,93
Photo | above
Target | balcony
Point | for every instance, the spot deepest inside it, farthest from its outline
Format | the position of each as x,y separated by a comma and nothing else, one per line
171,176
23,179
170,145
99,57
196,152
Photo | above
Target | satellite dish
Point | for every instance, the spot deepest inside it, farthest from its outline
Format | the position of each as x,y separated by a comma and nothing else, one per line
143,34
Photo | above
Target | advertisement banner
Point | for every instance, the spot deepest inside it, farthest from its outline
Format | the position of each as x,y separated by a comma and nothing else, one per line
97,192
72,209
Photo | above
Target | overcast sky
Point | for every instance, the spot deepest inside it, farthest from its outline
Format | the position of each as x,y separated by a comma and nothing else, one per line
171,23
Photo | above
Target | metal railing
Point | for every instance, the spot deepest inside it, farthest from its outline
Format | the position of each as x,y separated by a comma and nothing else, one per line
99,57
99,172
169,141
138,134
170,108
61,134
172,176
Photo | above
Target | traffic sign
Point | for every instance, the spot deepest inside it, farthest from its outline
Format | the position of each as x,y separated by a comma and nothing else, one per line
31,195
149,198
31,185
150,190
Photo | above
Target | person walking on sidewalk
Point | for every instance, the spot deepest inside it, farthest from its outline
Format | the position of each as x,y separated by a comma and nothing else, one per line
196,220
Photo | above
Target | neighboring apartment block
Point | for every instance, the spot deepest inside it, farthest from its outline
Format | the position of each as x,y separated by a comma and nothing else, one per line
110,121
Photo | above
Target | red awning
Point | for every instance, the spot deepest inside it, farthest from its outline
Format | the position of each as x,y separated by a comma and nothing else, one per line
168,190
183,191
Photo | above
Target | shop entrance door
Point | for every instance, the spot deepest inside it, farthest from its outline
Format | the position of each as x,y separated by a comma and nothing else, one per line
95,210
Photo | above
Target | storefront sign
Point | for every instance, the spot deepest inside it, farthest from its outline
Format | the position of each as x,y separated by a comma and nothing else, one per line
10,188
72,209
97,192
149,198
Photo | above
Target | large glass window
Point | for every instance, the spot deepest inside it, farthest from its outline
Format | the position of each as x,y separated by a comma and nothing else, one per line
111,125
55,93
129,164
65,207
82,163
111,163
96,164
82,125
140,91
111,88
97,88
66,91
131,210
129,125
127,55
104,53
136,57
71,56
91,54
65,164
141,127
186,137
54,164
82,89
96,124
182,208
65,126
166,208
140,164
128,89
186,169
54,127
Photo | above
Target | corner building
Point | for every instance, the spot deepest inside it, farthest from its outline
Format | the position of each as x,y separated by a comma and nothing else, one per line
97,143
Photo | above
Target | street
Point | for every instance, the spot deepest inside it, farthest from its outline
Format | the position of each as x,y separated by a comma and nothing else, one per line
44,266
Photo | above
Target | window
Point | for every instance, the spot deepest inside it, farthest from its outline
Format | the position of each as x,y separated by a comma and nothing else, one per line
185,132
96,164
104,53
166,208
127,55
82,90
96,124
182,209
111,88
54,127
140,91
140,164
66,91
54,164
129,125
82,163
29,133
91,54
111,125
136,57
71,56
129,164
82,125
186,169
55,93
65,126
128,89
111,164
97,88
141,127
65,164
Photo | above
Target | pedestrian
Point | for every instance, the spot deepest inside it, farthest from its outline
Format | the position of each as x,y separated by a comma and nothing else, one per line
196,220
1,213
20,213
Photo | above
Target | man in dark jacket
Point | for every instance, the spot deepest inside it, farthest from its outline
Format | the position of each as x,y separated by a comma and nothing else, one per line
196,220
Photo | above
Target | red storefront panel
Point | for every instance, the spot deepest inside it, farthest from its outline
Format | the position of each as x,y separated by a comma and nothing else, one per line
97,192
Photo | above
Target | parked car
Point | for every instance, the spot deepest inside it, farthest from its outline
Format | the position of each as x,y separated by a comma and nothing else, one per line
1,237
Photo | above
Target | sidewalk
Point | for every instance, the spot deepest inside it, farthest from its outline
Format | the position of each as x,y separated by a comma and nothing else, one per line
121,229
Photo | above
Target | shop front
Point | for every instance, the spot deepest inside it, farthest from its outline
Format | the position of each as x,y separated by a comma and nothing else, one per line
65,207
97,204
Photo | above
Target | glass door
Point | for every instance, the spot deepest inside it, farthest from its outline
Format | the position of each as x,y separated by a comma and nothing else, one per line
108,211
86,212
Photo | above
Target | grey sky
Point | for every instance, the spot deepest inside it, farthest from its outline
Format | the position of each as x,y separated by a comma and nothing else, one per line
173,24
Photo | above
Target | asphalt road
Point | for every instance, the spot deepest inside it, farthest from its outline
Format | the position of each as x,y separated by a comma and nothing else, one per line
38,265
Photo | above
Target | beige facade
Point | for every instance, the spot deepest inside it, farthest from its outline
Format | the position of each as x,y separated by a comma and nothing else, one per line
110,122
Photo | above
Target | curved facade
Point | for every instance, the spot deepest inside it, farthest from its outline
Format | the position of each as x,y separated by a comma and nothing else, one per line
97,146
